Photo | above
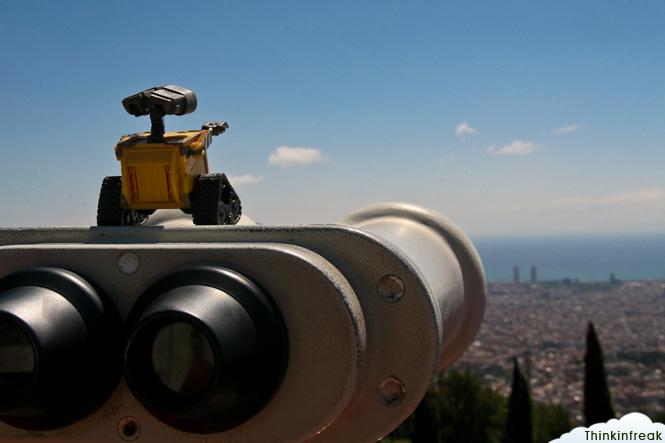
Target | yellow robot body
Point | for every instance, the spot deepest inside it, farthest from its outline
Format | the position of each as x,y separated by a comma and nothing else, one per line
162,175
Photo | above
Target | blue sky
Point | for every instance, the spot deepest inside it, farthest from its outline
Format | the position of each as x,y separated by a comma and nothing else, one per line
511,118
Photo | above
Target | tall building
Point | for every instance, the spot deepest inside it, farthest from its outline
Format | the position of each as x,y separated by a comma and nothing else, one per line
516,274
534,274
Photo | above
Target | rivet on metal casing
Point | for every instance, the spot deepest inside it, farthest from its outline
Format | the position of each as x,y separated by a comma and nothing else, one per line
129,428
128,263
390,288
392,391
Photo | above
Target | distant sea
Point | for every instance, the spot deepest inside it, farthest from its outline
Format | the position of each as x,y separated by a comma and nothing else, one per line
587,258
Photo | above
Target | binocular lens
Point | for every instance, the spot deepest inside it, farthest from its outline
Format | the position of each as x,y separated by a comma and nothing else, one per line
206,349
17,360
182,358
58,351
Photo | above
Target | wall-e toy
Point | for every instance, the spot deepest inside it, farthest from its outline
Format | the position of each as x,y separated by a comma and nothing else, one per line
166,170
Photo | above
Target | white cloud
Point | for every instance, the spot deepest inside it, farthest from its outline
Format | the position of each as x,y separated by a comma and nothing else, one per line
627,428
286,156
651,197
568,129
518,147
464,129
246,179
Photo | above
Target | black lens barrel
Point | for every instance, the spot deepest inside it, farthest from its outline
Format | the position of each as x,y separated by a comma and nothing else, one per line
205,349
60,357
241,356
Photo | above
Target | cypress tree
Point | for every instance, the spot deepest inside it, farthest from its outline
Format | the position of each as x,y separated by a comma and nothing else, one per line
425,422
469,410
550,421
518,423
597,400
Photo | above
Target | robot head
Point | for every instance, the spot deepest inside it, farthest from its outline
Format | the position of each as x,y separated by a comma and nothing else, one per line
161,100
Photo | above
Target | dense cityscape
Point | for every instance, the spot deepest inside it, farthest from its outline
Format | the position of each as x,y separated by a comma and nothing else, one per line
544,325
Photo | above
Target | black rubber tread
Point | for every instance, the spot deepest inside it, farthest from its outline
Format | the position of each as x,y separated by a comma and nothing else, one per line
232,201
206,199
109,208
211,188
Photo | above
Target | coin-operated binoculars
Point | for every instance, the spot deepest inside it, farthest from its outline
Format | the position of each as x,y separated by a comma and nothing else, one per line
246,333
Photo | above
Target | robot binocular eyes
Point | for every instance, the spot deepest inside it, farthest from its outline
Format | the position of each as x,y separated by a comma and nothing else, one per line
161,100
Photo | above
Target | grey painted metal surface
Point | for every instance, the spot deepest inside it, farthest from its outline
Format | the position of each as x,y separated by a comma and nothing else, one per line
445,257
373,312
